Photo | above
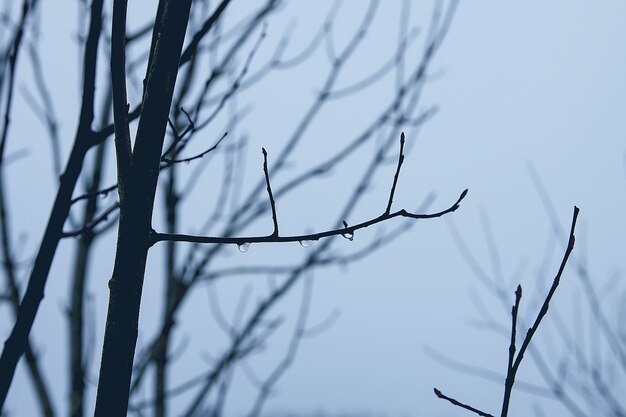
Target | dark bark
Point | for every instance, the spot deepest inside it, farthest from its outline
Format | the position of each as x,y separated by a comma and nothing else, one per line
137,179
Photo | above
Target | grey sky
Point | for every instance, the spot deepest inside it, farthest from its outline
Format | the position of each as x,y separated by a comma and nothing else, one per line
518,84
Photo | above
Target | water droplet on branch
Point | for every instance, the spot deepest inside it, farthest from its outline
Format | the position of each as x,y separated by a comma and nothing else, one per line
243,247
347,235
305,243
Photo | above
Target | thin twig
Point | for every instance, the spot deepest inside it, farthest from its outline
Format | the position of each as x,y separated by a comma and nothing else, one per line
439,394
178,137
96,221
166,162
103,192
514,362
395,177
510,373
15,48
269,193
542,313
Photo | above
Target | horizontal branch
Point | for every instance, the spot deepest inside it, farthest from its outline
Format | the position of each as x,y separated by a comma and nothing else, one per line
347,231
102,192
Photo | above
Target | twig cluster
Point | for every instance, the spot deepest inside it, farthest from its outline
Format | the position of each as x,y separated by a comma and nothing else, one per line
514,361
225,47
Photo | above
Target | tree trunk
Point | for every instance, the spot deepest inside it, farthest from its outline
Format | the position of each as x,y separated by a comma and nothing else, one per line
137,187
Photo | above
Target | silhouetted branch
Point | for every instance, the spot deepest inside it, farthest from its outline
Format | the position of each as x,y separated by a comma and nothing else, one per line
439,394
544,308
166,162
510,372
13,55
102,192
514,362
96,221
190,49
178,137
617,347
270,195
249,209
345,231
397,174
348,230
487,374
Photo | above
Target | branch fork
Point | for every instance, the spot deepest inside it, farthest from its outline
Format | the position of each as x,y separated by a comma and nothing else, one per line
346,231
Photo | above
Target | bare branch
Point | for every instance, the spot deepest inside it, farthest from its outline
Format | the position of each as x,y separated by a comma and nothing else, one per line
439,394
346,231
395,177
514,365
190,49
96,221
270,195
167,163
102,192
514,362
173,148
510,372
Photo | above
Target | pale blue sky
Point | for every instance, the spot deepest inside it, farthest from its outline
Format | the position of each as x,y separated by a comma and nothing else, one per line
519,84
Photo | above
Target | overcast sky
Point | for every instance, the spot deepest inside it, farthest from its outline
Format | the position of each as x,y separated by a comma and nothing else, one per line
522,87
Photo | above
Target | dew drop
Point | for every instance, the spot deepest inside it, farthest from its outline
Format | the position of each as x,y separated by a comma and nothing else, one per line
243,247
305,243
349,236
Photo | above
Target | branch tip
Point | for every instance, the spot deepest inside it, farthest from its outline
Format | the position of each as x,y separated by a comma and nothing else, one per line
269,193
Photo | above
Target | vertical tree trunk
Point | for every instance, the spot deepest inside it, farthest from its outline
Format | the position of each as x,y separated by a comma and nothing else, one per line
137,189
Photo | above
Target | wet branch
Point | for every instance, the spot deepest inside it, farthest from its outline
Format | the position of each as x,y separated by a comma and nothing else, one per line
274,237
